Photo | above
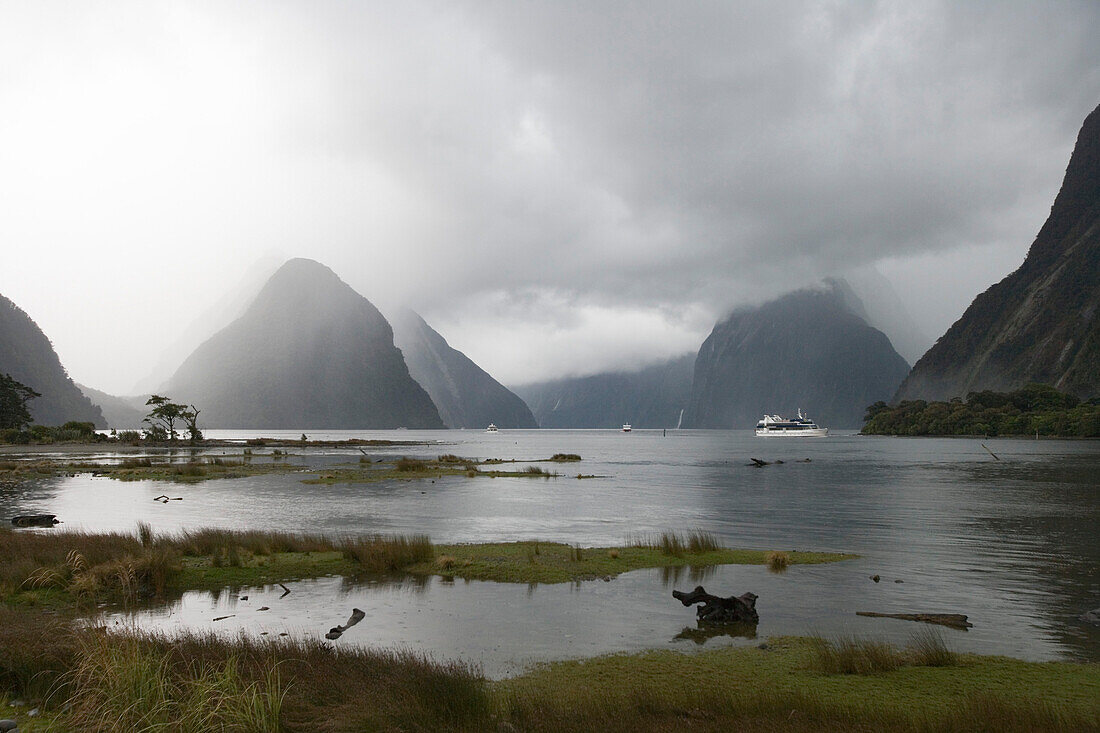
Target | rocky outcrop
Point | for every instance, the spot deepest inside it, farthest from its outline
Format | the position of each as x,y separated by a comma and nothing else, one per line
464,393
805,350
308,353
653,397
1039,324
28,356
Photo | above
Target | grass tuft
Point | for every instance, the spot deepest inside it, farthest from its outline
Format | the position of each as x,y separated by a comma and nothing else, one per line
927,648
777,561
410,465
849,655
388,554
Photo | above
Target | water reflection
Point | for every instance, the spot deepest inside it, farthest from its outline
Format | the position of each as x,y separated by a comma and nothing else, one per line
702,633
696,574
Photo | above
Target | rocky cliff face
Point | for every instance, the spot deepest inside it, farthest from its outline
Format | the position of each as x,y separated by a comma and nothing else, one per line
1039,324
28,356
653,397
465,394
308,353
805,350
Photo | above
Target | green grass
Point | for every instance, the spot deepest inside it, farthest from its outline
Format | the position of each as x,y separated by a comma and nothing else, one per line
783,688
88,680
148,469
554,562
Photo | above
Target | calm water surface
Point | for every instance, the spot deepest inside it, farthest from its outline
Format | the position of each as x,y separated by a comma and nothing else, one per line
1014,543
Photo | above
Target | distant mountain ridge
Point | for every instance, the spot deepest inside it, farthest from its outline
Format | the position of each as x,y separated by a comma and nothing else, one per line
1039,324
652,397
308,353
464,393
29,357
119,412
809,349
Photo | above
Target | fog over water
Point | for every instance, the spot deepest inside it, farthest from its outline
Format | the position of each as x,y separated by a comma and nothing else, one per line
558,188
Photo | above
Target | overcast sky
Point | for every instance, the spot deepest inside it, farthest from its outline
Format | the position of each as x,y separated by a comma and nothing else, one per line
558,188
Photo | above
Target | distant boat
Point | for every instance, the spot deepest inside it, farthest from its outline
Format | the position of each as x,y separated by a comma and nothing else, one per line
491,429
627,428
772,426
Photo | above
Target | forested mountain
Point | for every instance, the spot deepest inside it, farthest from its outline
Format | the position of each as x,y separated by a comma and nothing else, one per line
1039,324
308,353
653,397
28,356
464,393
808,350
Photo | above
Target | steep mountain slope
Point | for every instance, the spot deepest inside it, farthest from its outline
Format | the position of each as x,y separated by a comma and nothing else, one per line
465,394
805,350
28,356
1039,324
308,353
120,412
885,311
652,397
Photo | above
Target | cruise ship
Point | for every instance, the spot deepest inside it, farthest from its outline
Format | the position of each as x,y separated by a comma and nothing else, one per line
801,427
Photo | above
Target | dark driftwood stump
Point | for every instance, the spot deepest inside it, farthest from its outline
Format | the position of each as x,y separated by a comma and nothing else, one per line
715,610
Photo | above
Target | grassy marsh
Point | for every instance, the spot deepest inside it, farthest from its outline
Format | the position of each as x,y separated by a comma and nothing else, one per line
555,562
84,679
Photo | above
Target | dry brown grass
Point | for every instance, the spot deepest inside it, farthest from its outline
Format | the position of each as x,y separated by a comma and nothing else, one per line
777,561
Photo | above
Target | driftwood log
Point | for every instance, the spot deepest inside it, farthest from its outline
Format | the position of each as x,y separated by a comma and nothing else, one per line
35,520
337,631
952,620
716,610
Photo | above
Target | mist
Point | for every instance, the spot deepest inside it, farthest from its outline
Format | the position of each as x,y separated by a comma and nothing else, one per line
557,188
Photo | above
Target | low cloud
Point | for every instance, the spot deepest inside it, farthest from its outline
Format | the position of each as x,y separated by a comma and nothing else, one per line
557,187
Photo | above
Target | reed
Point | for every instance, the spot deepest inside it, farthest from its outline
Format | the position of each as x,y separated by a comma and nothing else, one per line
700,541
849,655
410,465
386,553
927,648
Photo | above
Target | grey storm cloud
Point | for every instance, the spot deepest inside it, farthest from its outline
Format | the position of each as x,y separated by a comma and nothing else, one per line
557,187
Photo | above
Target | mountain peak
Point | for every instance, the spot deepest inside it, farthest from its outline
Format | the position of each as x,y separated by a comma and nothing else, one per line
308,352
1040,323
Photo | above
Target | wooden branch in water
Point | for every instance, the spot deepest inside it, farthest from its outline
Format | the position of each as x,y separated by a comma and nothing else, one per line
990,452
953,620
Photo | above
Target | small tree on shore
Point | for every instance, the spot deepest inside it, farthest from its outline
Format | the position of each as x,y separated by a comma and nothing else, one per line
163,417
191,418
14,397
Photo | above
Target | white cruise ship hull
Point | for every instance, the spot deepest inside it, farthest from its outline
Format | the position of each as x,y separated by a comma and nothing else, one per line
805,433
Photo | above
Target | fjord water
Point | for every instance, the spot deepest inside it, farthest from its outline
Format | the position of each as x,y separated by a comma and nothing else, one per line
1014,543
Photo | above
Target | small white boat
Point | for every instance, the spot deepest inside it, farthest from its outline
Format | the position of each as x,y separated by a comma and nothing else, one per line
491,429
627,428
774,426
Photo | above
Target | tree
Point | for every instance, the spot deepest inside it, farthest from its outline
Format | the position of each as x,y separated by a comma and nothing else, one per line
14,397
162,418
191,418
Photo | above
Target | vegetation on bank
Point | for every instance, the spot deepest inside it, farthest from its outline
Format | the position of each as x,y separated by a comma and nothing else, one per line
1036,409
555,562
196,468
88,679
79,569
84,677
